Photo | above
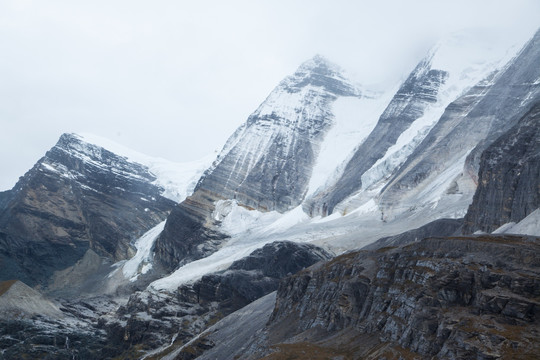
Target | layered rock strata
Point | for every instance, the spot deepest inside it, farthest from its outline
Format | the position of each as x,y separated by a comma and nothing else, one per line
79,197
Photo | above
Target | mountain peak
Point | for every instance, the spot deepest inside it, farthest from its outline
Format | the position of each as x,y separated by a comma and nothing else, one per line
93,145
471,55
319,62
176,179
320,72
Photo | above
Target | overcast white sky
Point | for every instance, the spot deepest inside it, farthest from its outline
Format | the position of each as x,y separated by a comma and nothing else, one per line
175,78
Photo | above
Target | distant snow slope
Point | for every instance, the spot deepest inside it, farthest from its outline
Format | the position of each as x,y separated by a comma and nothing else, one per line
462,60
354,119
528,226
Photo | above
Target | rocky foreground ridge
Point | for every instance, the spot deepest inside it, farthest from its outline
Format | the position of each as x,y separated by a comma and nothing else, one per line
458,297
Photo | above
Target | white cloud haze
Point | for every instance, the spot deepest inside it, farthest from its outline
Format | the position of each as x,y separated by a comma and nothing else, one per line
175,78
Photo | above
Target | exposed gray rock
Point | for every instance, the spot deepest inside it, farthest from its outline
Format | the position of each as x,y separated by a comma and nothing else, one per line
509,178
18,300
446,298
229,337
78,197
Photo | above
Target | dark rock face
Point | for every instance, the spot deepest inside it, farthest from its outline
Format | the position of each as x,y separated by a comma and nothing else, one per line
75,335
194,306
254,276
187,235
417,92
78,197
509,178
265,165
441,297
281,258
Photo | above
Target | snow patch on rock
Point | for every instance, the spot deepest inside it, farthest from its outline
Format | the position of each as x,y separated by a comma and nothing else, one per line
141,263
528,226
354,119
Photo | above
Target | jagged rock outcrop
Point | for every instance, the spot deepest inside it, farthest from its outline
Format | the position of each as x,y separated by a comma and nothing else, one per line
509,178
154,318
446,298
79,197
254,276
265,165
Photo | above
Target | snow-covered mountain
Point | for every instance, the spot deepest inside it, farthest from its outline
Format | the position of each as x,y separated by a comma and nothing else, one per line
452,68
322,161
381,159
85,196
268,163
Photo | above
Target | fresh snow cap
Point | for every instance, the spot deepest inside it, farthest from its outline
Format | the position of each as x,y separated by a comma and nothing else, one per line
176,179
472,55
320,72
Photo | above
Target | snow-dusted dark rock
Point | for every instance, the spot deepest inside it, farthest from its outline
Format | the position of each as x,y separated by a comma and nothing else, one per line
265,165
79,197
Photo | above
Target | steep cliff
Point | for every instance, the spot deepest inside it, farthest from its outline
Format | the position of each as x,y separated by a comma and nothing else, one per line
509,178
445,298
